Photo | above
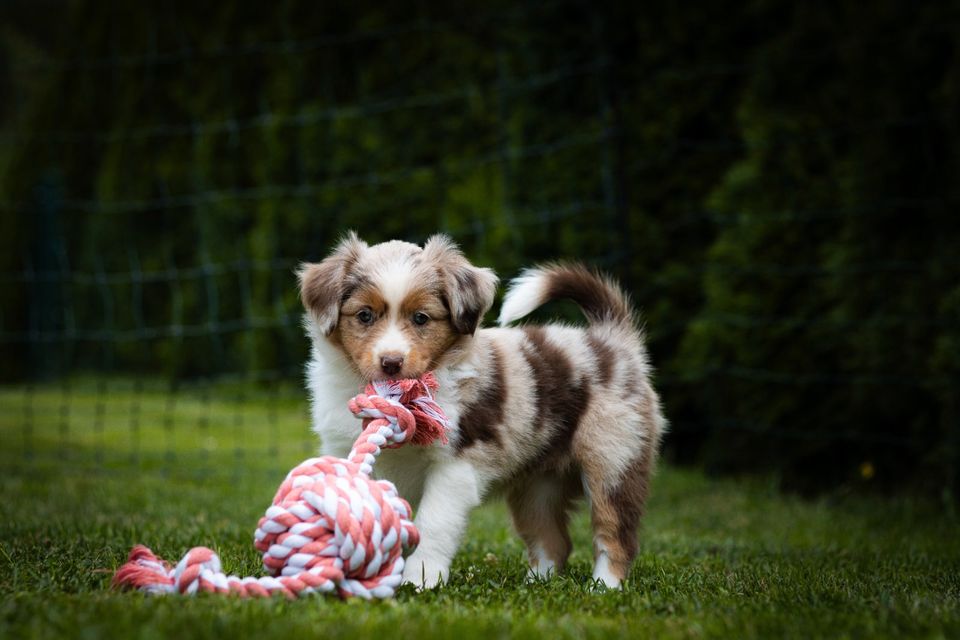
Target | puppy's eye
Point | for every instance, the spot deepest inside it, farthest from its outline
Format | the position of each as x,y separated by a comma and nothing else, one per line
420,318
365,316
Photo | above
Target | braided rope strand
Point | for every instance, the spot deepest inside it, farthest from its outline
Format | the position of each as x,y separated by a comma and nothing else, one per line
331,528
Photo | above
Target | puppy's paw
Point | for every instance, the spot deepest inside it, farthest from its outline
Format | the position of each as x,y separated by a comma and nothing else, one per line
424,573
541,573
608,583
603,575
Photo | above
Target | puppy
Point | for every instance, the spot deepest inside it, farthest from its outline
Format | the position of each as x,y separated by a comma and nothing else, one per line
542,413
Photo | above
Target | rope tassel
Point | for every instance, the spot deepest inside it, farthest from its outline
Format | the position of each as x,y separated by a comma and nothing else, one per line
331,528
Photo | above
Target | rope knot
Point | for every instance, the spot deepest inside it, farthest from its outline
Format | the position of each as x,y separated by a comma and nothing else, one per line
331,527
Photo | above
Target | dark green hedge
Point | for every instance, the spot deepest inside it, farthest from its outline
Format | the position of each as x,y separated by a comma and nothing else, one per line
776,183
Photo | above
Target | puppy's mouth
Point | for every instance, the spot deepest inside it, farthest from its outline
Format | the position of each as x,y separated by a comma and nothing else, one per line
377,374
400,375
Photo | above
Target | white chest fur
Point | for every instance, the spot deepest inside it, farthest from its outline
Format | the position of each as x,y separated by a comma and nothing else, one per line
331,382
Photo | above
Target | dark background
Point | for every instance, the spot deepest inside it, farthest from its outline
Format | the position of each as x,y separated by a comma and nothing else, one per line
776,184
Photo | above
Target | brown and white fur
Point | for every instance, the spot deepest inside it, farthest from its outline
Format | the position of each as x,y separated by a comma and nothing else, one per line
541,413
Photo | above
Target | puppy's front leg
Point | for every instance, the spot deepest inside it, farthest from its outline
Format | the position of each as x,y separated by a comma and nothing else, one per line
451,491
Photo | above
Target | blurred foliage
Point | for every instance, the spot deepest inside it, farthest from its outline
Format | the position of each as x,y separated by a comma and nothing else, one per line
775,183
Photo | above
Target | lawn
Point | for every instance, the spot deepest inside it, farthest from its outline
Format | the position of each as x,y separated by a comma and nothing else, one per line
95,466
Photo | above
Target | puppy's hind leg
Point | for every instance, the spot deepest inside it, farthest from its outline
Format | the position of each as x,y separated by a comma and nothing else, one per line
540,508
615,510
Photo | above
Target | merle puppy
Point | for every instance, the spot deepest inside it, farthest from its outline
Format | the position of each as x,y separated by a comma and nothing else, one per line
544,414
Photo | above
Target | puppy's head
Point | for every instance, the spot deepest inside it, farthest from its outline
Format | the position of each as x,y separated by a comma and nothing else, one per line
395,308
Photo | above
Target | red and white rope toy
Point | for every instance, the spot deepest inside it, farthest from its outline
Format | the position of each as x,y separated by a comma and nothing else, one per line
331,528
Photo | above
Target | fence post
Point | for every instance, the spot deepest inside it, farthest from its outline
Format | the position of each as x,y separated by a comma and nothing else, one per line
45,294
951,496
614,181
505,144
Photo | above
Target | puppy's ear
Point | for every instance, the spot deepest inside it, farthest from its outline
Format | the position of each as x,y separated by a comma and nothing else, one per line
468,290
324,285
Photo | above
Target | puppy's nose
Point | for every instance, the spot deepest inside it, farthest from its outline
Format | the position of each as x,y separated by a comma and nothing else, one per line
391,364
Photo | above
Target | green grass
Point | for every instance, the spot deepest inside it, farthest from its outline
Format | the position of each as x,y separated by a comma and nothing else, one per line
83,480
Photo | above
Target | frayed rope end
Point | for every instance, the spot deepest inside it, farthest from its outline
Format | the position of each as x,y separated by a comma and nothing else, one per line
143,571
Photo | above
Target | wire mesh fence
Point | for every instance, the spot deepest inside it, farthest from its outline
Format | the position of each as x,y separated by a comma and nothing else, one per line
152,322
